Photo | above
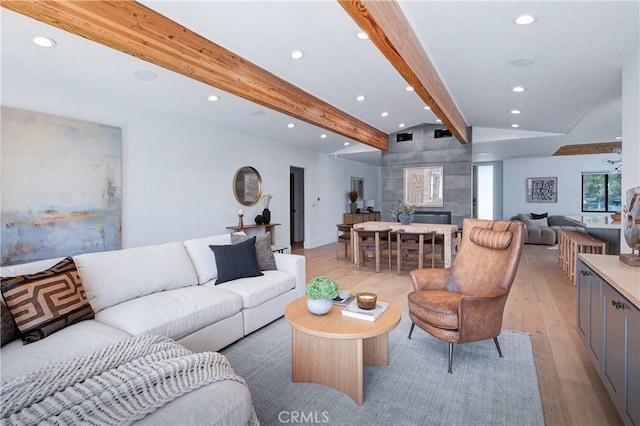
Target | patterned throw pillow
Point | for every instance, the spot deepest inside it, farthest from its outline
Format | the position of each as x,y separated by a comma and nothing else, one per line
266,259
539,215
47,301
236,261
9,331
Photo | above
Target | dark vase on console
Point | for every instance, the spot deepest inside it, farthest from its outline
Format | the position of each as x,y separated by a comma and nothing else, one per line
266,216
259,220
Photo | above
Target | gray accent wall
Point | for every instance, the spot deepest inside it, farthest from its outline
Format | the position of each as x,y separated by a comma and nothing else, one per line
425,150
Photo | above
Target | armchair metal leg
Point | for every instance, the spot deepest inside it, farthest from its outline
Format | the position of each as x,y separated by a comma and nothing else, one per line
495,340
411,330
450,371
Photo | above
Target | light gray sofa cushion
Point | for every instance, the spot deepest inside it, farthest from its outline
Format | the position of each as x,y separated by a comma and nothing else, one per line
76,340
172,313
114,277
257,290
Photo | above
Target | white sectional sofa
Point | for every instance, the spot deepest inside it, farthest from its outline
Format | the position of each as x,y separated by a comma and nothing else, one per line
168,290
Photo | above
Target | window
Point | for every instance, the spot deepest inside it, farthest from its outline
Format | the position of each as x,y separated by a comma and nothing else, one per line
601,192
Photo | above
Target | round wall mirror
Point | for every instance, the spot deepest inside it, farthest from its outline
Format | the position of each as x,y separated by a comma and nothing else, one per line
247,186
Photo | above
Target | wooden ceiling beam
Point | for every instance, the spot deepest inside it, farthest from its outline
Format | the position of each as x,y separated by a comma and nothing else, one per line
588,148
390,31
134,29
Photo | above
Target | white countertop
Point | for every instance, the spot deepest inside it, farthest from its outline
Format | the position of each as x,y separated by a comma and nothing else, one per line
595,221
622,277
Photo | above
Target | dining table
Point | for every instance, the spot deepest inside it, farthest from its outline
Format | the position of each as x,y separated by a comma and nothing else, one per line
445,230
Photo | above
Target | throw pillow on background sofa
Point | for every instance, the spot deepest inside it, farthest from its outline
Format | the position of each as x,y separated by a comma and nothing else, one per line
533,223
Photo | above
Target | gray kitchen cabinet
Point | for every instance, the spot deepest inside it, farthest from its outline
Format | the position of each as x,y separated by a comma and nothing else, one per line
609,325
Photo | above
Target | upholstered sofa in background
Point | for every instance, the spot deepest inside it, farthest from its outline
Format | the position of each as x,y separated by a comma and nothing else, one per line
544,230
170,290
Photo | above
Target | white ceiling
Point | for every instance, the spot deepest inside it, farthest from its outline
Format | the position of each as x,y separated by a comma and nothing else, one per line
573,88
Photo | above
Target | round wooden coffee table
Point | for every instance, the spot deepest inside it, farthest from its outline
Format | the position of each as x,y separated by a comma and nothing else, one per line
331,349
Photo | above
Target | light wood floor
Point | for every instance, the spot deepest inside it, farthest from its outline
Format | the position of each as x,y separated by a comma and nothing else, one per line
542,303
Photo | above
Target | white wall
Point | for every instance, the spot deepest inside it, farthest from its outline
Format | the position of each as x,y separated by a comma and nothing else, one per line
177,178
630,130
177,183
568,169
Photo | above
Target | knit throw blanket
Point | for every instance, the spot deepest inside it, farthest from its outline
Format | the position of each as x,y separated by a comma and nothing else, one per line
114,386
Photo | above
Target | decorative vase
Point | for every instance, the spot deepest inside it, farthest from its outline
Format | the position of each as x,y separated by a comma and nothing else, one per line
353,207
405,218
319,306
259,219
266,216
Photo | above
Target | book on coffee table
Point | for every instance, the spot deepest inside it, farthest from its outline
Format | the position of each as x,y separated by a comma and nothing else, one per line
353,311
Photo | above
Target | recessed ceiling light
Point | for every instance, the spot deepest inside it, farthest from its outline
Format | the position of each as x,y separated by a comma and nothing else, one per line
519,89
427,108
43,41
145,76
482,153
258,114
401,125
362,35
384,114
297,54
360,98
323,136
214,98
618,138
515,111
409,89
525,20
291,125
438,121
521,63
515,125
346,144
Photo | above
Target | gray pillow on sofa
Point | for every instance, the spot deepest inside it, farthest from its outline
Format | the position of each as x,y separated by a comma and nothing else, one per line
533,223
266,259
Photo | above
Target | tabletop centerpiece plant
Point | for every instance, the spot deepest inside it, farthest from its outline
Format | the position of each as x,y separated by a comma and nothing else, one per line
404,212
320,291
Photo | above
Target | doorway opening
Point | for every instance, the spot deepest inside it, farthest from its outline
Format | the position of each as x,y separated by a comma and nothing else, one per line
296,206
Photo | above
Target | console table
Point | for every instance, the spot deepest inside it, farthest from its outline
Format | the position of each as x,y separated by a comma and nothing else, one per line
267,228
351,218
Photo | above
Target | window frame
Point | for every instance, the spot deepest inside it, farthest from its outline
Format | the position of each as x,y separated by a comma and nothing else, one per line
606,192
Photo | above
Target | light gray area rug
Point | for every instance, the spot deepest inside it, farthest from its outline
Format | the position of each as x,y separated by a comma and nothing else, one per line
415,389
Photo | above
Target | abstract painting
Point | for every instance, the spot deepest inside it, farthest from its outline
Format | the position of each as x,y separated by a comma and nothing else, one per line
542,190
423,186
60,186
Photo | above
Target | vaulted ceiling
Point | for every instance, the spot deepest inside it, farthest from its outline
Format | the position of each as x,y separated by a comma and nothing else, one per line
569,60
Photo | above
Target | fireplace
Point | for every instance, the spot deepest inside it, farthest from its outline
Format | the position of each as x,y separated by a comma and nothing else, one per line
432,217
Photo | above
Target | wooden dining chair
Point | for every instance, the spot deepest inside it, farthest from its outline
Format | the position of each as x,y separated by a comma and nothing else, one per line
376,241
416,244
343,237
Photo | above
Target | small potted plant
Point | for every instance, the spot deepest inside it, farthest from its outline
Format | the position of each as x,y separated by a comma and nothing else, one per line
353,196
319,293
404,212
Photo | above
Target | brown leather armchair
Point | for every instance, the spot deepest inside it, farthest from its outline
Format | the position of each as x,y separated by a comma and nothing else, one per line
465,303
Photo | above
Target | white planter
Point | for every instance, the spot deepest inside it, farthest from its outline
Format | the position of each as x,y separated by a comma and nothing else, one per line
319,306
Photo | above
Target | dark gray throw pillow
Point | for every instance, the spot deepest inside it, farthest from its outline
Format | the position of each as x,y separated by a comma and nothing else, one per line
539,216
236,261
266,259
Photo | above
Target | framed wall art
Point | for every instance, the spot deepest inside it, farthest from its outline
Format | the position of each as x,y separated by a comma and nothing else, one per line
423,186
357,184
542,190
